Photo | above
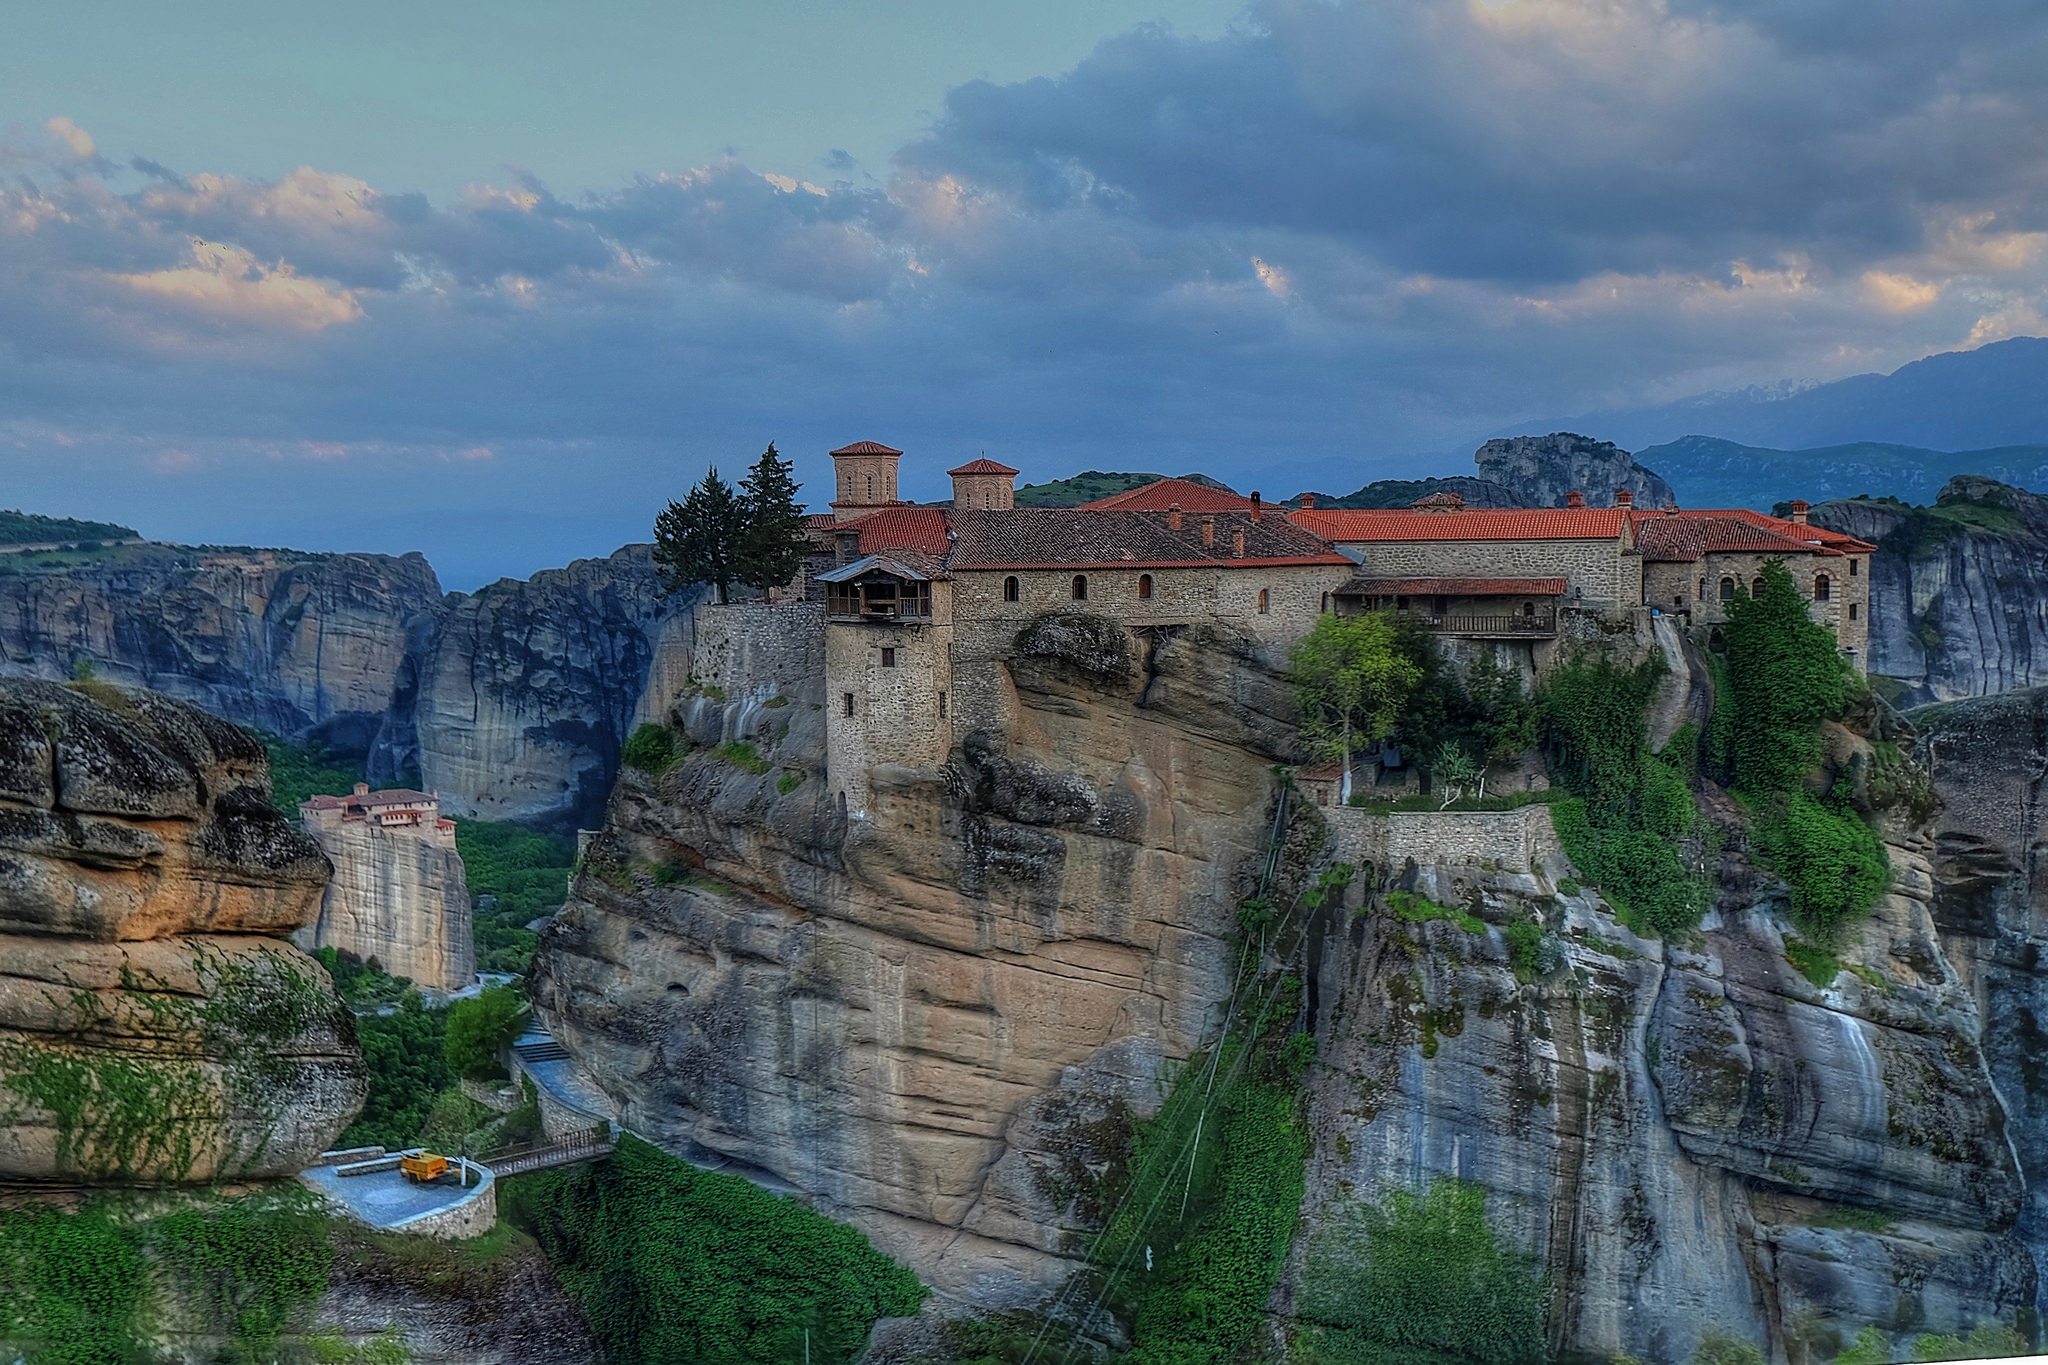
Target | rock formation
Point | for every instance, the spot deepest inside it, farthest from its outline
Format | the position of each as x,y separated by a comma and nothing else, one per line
286,642
904,1016
934,1019
398,897
1958,591
1989,759
512,701
154,1026
1540,470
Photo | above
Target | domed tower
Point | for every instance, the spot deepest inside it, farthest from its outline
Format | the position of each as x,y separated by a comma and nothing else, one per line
984,486
864,479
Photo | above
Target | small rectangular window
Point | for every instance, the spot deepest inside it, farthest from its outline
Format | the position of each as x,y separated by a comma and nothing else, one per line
888,658
849,703
1852,611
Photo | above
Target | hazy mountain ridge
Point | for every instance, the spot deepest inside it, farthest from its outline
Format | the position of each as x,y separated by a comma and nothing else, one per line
1709,471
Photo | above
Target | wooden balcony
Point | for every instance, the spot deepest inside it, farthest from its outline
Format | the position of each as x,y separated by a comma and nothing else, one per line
1538,625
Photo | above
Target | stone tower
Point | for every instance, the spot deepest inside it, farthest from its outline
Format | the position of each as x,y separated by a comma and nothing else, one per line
864,479
984,486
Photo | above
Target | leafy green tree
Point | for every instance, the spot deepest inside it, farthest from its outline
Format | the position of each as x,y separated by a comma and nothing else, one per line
1506,722
1455,769
407,1069
1787,677
701,539
1352,680
776,539
480,1028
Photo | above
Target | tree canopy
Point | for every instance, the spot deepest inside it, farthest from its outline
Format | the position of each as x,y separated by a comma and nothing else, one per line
753,535
1352,679
1789,676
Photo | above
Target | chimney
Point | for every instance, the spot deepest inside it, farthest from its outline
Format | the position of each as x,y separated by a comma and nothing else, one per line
1237,543
362,789
1575,499
1800,507
1208,533
1624,498
1308,502
1255,505
1173,516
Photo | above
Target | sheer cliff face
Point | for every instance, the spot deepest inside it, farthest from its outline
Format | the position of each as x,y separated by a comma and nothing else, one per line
1958,593
1990,759
154,1026
397,897
514,701
926,1017
287,646
1541,471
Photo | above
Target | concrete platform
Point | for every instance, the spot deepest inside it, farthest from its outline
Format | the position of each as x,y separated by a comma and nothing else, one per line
388,1200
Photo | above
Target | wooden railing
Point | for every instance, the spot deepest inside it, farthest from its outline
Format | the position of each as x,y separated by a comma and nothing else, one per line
1540,623
584,1146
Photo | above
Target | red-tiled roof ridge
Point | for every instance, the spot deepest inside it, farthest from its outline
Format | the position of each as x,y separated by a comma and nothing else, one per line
1158,495
1347,524
323,802
394,796
982,466
902,528
866,448
1804,536
1097,538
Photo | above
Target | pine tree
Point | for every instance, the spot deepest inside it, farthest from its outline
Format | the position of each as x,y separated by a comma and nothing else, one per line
776,539
699,539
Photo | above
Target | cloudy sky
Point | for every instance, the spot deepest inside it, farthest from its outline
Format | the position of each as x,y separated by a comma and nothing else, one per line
492,281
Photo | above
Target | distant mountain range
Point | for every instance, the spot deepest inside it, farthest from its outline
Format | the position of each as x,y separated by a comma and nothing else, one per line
1707,471
1996,395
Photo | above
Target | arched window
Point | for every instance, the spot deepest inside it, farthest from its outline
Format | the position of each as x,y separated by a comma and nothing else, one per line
871,488
1756,589
1265,601
1821,587
1012,590
1144,587
1528,608
1080,587
1703,590
1727,590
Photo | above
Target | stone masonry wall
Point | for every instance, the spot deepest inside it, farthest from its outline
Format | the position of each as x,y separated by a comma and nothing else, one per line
1509,839
1598,569
1665,584
742,642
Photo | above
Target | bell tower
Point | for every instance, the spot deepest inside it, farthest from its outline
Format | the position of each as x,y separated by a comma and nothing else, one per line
863,479
984,486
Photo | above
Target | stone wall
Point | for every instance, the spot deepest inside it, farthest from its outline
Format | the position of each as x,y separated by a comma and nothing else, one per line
741,643
1508,839
1596,572
472,1217
399,897
1665,584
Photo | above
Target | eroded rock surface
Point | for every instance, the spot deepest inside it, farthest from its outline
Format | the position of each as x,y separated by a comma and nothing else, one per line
154,1026
923,1018
1541,471
1959,599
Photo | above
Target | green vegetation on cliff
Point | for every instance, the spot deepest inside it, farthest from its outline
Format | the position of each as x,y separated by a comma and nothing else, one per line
1421,1279
673,1263
408,1069
525,875
98,1285
30,528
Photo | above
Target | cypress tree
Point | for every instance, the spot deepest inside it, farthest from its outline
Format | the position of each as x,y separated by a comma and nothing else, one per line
776,539
699,540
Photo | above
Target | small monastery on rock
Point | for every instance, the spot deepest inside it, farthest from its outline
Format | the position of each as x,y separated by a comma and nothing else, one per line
921,603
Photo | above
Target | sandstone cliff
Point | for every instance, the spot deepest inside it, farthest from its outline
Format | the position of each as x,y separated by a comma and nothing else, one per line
1958,591
286,642
1989,759
512,701
1540,470
400,898
935,1021
906,1016
154,1026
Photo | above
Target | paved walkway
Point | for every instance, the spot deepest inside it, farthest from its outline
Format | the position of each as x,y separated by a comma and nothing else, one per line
554,1071
386,1199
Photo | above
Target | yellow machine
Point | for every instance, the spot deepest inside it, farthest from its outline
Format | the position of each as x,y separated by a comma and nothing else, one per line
423,1168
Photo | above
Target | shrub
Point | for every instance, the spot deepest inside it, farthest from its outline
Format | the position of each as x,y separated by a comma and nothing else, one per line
651,748
1787,677
743,756
479,1029
673,1263
407,1068
1725,1348
1833,864
1422,1278
1986,1341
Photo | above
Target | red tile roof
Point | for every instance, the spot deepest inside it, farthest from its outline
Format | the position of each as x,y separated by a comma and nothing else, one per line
867,448
983,466
821,521
1345,525
1160,494
922,529
1082,537
1682,537
1458,587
